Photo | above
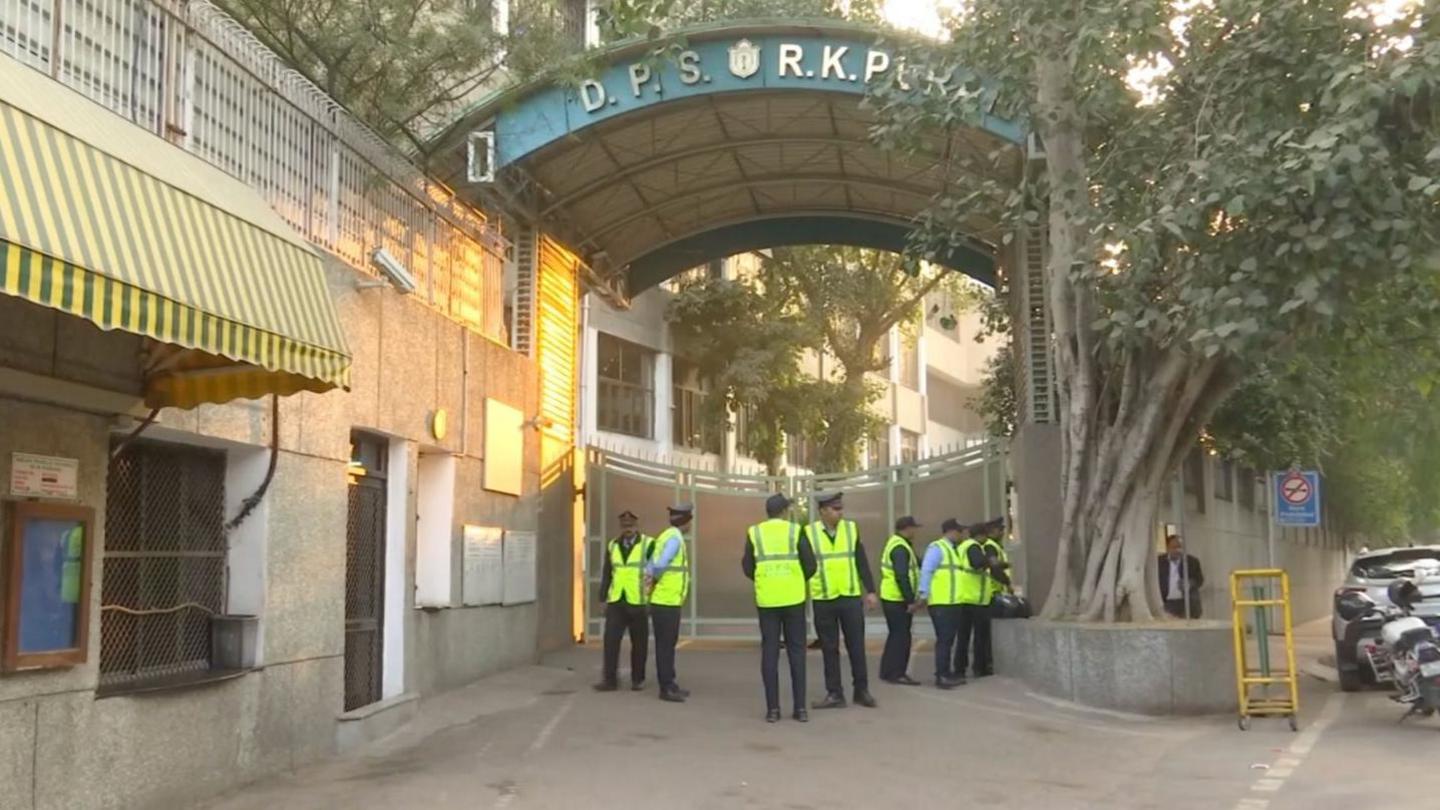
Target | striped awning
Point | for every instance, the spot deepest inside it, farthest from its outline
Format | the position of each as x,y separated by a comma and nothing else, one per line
103,221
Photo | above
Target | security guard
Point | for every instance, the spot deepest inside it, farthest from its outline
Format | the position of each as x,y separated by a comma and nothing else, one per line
667,581
842,571
622,589
779,559
944,587
997,581
899,577
974,602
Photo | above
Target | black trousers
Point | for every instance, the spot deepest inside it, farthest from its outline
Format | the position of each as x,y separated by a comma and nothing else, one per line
831,618
789,622
895,661
974,625
666,620
984,655
622,617
946,619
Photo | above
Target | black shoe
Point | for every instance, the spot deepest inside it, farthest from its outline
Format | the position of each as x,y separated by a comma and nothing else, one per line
637,686
984,673
606,686
801,715
905,680
772,716
831,701
947,682
684,693
814,645
864,698
673,695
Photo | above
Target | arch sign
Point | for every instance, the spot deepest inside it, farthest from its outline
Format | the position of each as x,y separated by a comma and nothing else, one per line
753,62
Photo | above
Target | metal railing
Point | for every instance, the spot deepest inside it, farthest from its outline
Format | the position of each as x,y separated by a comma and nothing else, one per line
192,75
968,484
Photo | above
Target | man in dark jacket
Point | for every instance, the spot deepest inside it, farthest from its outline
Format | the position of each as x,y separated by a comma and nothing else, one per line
1176,569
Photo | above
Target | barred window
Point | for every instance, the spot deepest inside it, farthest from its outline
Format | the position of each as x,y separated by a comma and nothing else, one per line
687,410
626,388
878,450
909,446
164,564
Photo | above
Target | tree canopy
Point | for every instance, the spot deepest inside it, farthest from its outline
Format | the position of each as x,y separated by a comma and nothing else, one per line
401,66
1267,188
749,340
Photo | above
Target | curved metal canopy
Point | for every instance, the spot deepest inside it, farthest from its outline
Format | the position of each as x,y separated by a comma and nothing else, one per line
755,136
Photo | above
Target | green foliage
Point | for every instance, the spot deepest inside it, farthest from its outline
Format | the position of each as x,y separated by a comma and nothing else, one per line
749,341
999,402
624,19
748,349
404,66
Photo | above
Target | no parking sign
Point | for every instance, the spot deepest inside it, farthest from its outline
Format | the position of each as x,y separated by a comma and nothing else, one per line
1297,497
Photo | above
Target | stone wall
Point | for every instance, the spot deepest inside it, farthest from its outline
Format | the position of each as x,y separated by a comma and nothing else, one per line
1160,669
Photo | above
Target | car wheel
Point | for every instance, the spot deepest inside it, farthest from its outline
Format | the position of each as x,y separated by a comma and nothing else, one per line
1351,679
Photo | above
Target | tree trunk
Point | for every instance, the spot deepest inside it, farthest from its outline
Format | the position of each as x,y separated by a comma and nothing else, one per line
1127,415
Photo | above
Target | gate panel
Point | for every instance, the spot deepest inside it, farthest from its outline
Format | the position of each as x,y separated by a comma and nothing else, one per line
968,485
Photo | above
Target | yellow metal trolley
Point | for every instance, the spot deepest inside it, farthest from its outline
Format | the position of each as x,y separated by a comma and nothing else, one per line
1258,684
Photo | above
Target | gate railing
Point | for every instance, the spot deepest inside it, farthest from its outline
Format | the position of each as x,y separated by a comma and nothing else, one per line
970,485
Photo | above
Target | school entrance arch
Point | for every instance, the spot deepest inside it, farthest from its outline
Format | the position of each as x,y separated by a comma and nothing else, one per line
741,136
738,136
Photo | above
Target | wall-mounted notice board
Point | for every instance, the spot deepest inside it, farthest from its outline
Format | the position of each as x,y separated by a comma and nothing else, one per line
47,585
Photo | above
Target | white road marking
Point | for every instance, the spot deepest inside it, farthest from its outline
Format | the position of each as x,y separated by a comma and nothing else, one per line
1286,764
544,735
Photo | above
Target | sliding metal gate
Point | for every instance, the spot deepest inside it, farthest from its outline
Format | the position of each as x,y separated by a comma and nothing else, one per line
969,485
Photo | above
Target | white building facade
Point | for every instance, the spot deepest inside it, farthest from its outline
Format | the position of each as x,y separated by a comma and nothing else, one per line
639,398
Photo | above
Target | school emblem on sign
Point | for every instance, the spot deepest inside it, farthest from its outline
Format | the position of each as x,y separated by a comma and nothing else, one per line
744,59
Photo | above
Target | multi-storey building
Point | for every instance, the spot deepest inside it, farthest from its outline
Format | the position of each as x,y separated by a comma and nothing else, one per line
640,398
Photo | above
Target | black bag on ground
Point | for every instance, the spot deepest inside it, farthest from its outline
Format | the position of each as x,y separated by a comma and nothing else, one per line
1010,606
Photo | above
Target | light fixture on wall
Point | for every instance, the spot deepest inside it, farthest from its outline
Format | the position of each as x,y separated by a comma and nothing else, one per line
539,423
395,272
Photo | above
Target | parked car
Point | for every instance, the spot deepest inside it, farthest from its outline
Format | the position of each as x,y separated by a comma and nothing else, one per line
1372,573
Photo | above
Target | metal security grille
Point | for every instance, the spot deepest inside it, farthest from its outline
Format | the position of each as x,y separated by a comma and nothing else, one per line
364,591
164,569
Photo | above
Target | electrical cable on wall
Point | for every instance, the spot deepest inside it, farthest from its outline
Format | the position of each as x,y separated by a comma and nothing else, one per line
254,499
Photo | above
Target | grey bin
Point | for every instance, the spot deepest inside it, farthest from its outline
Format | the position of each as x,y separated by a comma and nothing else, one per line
233,641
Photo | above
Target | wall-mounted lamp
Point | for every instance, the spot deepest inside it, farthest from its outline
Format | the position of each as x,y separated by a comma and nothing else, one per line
539,423
395,273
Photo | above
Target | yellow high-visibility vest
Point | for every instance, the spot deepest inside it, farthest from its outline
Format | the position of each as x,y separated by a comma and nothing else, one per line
836,574
779,578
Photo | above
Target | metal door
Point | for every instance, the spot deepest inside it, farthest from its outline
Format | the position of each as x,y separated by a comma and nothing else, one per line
364,591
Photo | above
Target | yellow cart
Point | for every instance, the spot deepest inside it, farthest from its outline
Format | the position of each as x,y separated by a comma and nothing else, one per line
1257,684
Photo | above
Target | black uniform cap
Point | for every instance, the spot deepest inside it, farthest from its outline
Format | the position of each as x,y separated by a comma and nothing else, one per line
680,509
951,524
628,514
906,522
830,498
776,503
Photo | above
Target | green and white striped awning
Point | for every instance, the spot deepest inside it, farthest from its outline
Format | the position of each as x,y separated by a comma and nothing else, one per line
103,221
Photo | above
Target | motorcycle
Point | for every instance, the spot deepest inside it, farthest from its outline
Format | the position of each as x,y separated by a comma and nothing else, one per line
1407,653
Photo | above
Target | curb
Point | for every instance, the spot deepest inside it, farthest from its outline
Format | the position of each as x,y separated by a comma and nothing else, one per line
1315,669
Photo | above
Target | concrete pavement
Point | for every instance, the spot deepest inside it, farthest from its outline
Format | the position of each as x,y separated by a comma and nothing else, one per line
540,738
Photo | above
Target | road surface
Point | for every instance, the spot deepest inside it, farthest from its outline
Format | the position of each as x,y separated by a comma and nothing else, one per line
539,738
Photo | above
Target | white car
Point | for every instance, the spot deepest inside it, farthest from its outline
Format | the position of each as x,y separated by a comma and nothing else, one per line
1371,573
